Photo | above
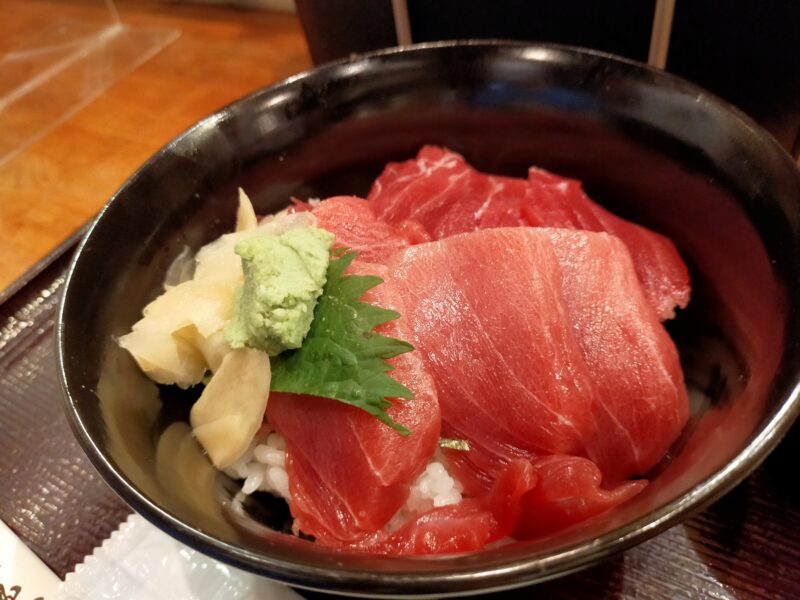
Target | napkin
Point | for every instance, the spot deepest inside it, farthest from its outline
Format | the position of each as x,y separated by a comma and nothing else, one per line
140,562
22,575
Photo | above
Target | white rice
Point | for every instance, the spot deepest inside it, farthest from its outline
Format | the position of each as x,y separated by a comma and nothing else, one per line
263,468
434,488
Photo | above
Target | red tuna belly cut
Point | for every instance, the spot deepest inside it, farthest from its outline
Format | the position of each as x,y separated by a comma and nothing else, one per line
553,201
640,402
487,313
348,472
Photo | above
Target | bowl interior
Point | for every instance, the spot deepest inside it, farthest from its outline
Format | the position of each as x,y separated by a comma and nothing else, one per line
648,146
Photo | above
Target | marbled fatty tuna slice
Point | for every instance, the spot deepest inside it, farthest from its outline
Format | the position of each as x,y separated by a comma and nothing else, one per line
439,190
501,208
423,189
348,472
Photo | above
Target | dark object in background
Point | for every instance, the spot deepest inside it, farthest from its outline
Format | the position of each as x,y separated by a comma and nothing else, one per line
617,26
746,51
337,28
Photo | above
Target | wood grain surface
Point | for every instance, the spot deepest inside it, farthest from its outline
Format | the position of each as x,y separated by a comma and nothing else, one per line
60,182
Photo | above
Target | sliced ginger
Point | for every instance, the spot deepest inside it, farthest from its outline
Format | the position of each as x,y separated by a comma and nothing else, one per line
231,408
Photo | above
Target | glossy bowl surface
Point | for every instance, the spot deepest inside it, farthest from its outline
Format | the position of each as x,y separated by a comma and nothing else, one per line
649,146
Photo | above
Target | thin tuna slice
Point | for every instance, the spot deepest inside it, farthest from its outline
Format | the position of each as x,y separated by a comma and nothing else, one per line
353,222
640,399
568,493
541,342
486,310
554,201
447,197
463,527
348,472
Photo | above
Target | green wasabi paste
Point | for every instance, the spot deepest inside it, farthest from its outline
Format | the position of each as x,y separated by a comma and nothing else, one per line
283,278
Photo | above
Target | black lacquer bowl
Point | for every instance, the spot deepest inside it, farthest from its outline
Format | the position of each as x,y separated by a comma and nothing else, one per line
648,146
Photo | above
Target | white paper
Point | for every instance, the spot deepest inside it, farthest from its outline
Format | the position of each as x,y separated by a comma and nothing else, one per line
22,575
140,562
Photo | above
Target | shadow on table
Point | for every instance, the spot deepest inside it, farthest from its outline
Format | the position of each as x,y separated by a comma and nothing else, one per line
746,538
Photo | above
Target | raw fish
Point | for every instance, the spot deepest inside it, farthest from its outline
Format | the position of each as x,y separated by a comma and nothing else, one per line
640,401
447,196
463,527
355,226
348,472
541,342
554,201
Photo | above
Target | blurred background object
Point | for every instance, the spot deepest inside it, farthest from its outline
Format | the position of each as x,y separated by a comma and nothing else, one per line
746,51
337,29
279,5
57,65
62,179
742,50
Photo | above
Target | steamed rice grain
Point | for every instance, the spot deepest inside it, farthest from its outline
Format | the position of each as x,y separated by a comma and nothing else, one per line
263,466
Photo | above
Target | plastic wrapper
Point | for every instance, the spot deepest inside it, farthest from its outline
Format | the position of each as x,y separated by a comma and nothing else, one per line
140,562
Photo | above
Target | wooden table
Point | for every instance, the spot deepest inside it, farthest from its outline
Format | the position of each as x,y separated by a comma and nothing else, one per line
60,182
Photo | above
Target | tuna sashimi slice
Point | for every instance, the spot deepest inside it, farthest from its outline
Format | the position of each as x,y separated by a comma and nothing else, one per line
486,311
447,197
463,527
502,207
439,190
541,342
355,226
640,399
348,472
568,492
423,189
553,201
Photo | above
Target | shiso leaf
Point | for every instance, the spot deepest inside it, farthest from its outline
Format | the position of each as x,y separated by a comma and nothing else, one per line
342,358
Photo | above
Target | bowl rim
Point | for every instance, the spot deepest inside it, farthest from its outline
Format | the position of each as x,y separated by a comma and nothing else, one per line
498,576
